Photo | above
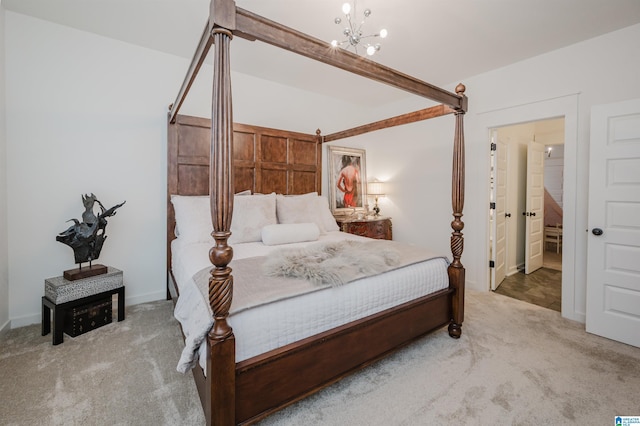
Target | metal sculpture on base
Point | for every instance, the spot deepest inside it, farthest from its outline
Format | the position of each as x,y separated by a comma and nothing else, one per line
87,237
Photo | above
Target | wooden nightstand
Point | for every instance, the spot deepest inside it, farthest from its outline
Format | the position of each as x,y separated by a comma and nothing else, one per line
377,227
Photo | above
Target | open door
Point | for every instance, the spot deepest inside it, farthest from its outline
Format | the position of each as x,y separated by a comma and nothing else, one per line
613,259
499,237
535,208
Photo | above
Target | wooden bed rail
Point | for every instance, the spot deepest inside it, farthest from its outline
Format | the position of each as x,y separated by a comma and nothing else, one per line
412,117
198,59
255,27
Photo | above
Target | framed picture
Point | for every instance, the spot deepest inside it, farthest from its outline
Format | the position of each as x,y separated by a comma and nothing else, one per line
347,180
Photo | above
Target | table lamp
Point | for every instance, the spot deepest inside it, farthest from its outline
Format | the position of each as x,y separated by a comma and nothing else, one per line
376,189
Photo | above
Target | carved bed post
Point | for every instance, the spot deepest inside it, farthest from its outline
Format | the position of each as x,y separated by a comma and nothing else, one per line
221,339
456,270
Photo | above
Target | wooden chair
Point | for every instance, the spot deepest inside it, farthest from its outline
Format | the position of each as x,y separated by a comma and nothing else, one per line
553,234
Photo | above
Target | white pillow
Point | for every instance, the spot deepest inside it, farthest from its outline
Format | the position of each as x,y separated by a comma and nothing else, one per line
286,233
193,218
305,208
250,214
299,209
326,217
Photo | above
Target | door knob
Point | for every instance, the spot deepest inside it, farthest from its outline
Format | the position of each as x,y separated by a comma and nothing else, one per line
532,213
507,215
597,231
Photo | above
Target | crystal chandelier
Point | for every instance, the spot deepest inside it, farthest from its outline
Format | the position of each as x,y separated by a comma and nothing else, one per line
353,31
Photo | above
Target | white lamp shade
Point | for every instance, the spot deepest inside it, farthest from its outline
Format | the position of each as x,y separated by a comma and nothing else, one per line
375,188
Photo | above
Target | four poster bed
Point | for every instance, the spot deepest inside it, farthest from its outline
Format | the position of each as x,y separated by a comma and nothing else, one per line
239,384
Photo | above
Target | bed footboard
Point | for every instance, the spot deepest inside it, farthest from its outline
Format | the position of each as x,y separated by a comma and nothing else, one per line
269,382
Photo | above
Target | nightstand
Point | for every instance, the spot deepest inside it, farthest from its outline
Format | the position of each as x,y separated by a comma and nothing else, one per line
81,299
375,227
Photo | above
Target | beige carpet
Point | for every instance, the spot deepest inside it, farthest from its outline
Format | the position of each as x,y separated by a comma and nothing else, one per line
515,364
120,374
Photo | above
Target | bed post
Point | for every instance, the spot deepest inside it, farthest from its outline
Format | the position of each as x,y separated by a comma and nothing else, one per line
456,270
221,371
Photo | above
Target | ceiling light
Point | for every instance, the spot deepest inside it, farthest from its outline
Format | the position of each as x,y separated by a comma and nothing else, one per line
354,34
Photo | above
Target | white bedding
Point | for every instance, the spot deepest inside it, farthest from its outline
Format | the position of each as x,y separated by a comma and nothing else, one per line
276,324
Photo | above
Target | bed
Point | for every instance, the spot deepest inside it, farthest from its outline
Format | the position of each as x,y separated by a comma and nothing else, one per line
238,386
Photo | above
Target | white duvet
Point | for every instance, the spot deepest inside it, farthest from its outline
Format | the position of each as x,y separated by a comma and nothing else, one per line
277,324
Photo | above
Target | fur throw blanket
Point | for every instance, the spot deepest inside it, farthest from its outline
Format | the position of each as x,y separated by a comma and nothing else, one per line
333,263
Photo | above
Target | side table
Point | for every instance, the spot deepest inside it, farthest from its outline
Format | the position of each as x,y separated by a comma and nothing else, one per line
62,295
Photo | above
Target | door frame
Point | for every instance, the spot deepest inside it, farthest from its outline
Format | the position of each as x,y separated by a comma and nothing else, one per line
573,305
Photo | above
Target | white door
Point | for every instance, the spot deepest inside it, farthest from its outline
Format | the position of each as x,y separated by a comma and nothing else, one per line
613,271
533,252
500,219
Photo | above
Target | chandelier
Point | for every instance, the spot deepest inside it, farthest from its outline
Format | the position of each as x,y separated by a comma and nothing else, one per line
353,31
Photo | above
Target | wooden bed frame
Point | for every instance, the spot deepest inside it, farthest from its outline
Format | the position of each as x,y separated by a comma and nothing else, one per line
235,157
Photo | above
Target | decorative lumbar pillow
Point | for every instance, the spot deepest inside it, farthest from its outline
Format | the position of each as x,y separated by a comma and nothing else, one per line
251,213
287,233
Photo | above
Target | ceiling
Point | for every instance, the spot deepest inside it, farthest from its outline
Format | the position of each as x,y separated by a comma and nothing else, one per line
439,41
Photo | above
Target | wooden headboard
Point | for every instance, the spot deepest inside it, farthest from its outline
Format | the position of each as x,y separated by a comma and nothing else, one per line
265,160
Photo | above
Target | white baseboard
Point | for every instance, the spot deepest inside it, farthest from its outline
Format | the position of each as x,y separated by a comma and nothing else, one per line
575,316
144,298
25,320
473,285
515,269
5,327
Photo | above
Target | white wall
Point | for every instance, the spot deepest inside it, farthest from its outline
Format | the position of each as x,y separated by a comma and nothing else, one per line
84,114
4,259
88,114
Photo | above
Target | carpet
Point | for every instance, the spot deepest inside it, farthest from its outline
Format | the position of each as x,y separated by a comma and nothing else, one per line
122,373
516,364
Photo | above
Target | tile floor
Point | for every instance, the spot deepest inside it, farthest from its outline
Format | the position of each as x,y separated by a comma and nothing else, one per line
542,288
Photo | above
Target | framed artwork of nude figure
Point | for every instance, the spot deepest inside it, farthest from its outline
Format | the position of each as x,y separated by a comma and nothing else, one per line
347,180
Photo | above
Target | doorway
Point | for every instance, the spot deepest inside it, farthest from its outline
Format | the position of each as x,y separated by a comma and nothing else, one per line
526,214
